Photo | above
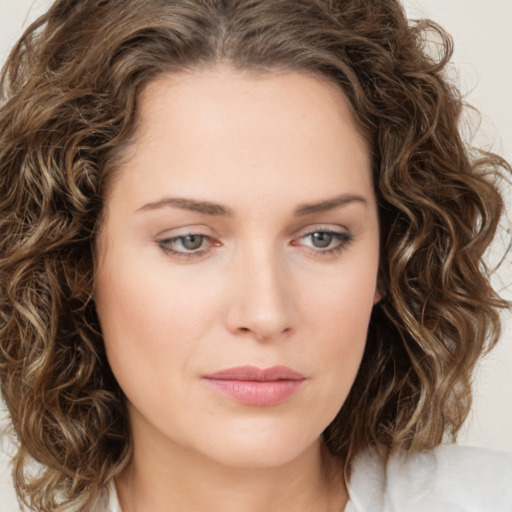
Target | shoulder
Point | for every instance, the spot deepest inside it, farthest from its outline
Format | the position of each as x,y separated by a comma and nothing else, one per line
450,478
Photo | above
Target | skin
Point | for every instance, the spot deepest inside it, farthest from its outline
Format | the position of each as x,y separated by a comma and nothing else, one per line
257,291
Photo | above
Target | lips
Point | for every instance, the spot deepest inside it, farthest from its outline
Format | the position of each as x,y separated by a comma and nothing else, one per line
254,386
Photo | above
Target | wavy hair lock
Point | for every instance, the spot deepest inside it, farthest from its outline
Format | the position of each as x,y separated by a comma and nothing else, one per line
68,112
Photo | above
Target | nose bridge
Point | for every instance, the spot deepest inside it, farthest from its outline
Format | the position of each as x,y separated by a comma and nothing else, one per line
261,303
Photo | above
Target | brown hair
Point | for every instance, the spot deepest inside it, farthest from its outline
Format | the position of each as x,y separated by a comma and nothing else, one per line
69,97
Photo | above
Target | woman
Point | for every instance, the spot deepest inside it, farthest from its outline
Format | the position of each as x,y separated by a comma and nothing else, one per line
241,261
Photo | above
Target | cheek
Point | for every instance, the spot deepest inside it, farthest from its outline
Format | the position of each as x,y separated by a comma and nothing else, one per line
149,297
152,321
337,318
342,327
340,307
339,346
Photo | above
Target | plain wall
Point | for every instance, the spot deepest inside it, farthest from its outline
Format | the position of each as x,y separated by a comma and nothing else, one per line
483,57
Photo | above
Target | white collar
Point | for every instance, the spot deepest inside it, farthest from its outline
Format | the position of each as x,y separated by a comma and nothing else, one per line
113,499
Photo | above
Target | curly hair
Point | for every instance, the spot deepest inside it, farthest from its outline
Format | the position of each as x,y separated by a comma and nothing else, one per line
69,93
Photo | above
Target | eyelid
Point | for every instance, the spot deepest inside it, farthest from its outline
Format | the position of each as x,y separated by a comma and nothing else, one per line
168,237
321,228
343,235
184,230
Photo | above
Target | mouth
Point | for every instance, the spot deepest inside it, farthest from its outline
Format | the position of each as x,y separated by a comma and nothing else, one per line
254,386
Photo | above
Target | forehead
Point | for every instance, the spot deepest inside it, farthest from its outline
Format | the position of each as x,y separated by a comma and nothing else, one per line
200,93
216,81
285,130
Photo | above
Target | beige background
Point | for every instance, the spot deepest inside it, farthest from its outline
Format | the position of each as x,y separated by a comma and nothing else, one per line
483,58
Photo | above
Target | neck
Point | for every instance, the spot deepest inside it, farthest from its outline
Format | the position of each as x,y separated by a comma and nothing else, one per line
183,480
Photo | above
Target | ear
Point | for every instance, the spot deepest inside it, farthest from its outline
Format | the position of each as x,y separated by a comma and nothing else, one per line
379,292
380,289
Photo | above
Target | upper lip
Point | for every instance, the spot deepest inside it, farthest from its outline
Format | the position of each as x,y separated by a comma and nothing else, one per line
252,373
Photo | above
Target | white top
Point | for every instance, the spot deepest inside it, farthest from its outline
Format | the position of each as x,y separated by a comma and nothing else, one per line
450,478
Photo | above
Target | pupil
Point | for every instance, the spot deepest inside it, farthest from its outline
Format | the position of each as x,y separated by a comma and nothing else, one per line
322,239
192,242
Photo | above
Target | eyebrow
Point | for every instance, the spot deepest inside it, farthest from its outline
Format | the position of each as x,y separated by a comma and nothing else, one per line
330,204
215,209
204,207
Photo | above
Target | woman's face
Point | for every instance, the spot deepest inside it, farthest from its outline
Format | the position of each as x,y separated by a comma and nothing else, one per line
237,265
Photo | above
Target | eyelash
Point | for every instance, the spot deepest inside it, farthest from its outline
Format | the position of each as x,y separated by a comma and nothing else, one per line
165,246
343,238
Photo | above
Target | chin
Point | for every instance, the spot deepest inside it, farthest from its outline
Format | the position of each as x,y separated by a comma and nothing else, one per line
260,449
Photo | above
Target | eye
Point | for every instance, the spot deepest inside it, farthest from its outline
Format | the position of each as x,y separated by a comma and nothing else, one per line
191,242
186,246
325,242
321,239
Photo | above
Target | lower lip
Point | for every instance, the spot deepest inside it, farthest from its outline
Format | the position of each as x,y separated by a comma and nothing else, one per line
255,392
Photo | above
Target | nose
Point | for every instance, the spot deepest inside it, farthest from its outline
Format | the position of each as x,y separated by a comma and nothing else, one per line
261,302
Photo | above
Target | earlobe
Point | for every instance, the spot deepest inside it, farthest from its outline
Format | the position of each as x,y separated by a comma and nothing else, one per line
379,295
379,289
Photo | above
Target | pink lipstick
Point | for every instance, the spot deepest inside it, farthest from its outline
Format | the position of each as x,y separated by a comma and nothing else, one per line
252,386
